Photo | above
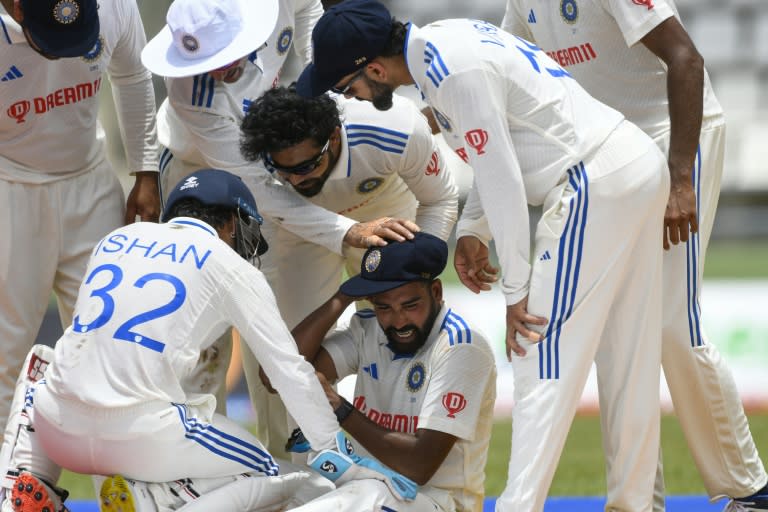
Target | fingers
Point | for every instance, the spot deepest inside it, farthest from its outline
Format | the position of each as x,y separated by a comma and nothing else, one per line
376,232
130,214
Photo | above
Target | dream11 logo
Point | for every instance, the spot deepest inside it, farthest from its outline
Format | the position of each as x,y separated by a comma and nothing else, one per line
454,403
19,110
477,138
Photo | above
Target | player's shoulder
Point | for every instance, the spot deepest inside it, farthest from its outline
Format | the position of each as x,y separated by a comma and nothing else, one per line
455,332
387,131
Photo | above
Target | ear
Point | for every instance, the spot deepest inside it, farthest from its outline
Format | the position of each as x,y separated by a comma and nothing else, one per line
378,69
437,290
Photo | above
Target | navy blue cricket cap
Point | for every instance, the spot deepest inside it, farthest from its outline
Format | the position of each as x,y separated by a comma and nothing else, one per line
214,187
422,258
62,28
347,37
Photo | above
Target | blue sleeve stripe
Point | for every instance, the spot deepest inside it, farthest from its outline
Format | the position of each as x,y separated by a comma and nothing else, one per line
365,313
202,84
457,329
438,59
372,128
5,31
388,149
355,135
211,90
226,445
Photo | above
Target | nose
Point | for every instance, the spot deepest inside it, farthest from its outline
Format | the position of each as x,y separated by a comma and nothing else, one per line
295,179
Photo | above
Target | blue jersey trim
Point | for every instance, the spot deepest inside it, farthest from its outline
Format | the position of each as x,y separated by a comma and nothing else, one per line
456,328
692,247
195,224
437,71
5,31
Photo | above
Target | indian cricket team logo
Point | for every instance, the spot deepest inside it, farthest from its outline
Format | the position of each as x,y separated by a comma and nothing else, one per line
454,403
284,40
19,110
369,185
477,138
416,377
190,43
569,11
442,120
373,260
66,12
95,52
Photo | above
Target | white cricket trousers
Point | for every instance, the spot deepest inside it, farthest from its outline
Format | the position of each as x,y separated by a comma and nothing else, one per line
596,276
48,232
701,385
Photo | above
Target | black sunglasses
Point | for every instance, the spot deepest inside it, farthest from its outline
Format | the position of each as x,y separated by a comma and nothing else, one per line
301,169
345,89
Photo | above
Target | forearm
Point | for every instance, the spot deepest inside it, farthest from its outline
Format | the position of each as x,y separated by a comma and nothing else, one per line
311,331
685,86
135,108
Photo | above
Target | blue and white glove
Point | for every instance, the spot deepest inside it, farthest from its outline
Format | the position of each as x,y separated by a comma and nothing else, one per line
343,465
297,443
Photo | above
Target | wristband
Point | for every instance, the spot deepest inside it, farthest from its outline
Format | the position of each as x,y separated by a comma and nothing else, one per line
343,411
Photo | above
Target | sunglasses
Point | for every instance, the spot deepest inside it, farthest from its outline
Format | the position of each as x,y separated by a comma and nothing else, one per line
301,169
345,89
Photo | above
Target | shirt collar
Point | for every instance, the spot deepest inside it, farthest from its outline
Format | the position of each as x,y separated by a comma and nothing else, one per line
196,223
9,29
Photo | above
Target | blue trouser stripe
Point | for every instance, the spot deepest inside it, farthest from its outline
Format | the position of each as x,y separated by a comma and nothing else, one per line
231,447
692,252
562,304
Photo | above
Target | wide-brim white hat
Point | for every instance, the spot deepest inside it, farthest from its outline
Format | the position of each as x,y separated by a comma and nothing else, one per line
203,35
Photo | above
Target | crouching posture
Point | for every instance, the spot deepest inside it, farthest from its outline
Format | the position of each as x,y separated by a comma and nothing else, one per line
108,400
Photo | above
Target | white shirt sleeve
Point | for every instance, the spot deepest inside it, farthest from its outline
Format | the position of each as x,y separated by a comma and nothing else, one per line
456,389
217,138
133,93
476,101
343,344
514,23
428,176
473,221
636,19
307,14
250,305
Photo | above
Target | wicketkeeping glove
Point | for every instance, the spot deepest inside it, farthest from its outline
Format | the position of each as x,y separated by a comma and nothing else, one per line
343,465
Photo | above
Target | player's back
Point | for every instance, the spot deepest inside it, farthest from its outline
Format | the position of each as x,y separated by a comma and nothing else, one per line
147,305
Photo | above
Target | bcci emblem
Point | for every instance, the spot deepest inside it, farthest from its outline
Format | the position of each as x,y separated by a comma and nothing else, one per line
569,11
372,260
66,11
284,40
369,185
442,120
190,43
95,52
416,377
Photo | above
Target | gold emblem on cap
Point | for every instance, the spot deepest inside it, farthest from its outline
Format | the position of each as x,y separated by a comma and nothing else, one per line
372,260
66,11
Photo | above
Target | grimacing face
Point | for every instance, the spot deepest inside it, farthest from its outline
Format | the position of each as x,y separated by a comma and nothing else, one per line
407,314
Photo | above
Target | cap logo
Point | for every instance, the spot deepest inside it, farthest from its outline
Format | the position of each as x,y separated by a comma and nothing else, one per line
190,182
373,260
360,60
190,43
66,11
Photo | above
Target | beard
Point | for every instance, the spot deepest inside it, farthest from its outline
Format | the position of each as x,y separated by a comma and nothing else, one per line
312,187
381,94
420,334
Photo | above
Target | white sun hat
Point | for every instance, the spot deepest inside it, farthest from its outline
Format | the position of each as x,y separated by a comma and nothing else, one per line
203,35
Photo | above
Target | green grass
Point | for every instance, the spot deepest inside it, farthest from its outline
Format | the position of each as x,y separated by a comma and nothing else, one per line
581,471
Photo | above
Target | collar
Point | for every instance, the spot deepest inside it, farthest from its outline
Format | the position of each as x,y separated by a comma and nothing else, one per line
10,31
343,167
196,223
414,55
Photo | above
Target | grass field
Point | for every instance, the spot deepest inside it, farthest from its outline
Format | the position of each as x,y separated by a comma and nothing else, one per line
581,471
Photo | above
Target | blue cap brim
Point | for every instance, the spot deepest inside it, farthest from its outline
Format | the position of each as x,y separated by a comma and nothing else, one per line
359,287
311,84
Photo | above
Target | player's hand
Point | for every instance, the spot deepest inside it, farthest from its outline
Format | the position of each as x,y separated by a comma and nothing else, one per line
376,232
680,216
144,199
470,259
333,397
517,320
265,381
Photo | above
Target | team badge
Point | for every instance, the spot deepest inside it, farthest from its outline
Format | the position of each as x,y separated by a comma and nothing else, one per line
372,260
190,43
569,11
416,377
284,40
369,185
36,368
66,11
95,52
454,403
442,120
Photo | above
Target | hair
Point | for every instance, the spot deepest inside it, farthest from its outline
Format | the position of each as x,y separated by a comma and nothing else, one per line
396,44
216,216
280,118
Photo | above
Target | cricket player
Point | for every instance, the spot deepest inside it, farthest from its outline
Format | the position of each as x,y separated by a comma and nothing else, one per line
58,193
591,284
112,400
426,380
666,91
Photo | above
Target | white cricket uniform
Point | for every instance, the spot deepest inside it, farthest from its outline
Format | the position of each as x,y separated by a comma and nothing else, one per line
449,385
598,42
533,135
154,297
199,124
58,194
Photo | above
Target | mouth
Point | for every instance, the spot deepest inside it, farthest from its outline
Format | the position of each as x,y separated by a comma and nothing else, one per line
404,334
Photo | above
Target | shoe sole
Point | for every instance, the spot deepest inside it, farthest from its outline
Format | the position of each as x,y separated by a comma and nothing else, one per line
31,495
115,495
